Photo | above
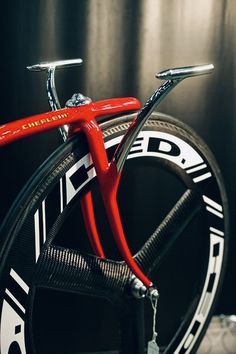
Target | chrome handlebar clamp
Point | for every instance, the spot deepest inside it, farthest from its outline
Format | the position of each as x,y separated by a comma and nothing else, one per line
78,99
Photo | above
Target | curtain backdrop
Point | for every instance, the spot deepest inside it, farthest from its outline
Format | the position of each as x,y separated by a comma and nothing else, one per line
123,44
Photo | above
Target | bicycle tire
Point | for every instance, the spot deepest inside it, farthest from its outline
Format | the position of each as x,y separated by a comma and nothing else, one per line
32,241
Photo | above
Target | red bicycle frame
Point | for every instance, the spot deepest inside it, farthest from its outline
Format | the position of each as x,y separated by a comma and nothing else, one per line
84,118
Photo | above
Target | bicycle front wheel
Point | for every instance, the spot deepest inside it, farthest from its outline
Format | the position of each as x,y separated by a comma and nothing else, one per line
54,293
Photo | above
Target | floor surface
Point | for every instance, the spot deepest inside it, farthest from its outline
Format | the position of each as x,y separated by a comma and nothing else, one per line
220,337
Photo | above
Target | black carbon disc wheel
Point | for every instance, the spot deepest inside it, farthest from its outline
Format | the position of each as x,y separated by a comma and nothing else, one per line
55,295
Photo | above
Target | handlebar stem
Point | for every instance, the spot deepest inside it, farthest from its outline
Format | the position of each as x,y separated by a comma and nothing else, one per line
53,99
126,143
172,77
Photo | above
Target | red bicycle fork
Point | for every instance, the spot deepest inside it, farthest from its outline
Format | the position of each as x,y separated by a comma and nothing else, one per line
109,174
108,179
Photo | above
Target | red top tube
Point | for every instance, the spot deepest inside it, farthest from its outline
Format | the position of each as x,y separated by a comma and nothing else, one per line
24,127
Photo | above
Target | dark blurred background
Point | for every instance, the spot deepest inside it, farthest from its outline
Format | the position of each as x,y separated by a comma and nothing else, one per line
123,44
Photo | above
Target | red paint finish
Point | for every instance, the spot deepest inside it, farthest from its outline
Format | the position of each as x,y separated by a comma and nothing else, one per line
84,118
51,120
89,219
109,188
108,179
